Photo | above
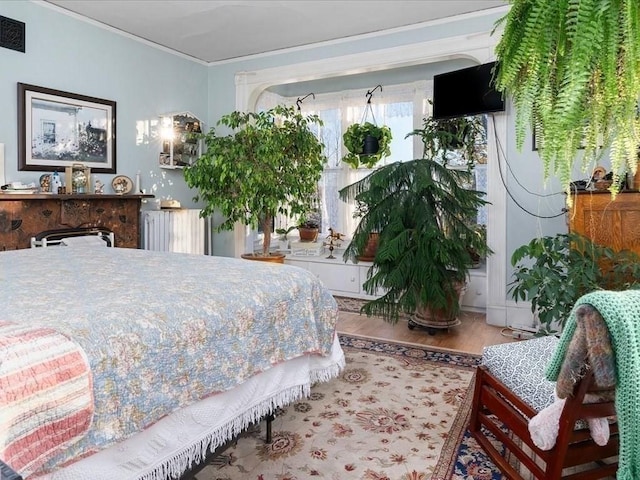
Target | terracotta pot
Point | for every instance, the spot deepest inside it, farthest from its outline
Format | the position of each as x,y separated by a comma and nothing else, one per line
308,234
441,317
273,258
371,248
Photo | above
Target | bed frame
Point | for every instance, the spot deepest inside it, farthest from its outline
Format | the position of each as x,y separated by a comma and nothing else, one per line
54,237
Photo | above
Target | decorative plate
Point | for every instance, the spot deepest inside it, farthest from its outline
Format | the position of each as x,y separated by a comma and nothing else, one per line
121,184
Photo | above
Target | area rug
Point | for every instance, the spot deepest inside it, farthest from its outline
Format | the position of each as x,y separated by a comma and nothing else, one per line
397,412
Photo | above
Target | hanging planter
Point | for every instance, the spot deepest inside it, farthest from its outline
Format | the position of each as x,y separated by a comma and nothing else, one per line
366,142
371,145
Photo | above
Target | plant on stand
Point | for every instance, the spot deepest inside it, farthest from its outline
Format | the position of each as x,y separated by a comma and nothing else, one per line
420,209
269,164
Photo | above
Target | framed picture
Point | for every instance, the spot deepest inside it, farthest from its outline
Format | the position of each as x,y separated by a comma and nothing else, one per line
534,143
58,129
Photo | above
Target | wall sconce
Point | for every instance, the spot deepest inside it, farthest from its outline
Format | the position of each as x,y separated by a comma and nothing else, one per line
166,128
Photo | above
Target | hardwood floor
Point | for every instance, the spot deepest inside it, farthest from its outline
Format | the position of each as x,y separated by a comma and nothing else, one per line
470,336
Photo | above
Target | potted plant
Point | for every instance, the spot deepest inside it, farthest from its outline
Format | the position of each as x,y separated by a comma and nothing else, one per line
573,70
553,272
269,164
443,137
481,231
309,227
419,209
366,143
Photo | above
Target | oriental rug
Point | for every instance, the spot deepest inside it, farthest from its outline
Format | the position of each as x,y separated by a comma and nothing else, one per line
397,412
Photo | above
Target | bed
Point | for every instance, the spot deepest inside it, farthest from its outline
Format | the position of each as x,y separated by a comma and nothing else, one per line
132,364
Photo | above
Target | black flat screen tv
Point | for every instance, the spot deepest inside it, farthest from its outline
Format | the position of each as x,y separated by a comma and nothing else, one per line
468,91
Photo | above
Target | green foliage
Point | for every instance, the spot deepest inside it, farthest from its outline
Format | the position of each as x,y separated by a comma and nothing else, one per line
553,272
572,68
270,164
420,210
353,140
422,213
441,136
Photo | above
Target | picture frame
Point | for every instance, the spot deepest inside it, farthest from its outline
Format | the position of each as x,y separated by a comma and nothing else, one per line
534,143
58,129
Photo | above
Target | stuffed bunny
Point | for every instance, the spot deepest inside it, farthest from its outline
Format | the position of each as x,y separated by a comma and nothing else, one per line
590,347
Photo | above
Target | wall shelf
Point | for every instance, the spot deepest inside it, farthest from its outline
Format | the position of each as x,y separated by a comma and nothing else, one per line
180,143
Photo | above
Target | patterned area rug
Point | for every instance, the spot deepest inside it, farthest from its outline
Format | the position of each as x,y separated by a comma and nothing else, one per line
397,412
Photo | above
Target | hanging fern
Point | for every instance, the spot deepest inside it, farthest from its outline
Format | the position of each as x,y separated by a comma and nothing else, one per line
572,68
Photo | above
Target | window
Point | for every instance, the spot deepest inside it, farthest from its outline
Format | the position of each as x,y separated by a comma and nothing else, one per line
400,107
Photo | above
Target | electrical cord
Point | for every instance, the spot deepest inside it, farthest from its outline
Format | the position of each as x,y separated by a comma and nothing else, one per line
504,182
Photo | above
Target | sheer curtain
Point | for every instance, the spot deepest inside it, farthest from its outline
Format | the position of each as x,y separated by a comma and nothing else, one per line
400,107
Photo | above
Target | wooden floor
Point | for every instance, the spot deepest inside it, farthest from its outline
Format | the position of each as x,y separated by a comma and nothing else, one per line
470,336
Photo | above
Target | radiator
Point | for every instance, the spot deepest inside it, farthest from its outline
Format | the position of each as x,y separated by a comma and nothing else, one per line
181,231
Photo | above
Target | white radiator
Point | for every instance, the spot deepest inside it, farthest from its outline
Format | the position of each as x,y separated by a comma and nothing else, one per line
181,231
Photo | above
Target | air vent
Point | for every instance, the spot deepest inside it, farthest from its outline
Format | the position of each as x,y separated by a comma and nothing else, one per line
12,34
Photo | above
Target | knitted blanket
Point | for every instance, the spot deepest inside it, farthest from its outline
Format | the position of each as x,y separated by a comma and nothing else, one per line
620,311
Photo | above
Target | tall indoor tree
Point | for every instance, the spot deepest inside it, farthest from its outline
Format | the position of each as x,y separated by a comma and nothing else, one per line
269,163
572,68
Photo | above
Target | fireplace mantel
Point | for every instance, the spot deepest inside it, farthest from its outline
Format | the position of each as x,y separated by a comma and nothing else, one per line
23,216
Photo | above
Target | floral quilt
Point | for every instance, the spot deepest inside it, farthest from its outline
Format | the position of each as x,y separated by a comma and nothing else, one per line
161,331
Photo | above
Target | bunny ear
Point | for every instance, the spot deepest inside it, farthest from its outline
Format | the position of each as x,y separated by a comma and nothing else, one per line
544,426
599,349
599,429
574,363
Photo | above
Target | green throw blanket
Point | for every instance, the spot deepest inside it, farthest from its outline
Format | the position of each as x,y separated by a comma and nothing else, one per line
621,312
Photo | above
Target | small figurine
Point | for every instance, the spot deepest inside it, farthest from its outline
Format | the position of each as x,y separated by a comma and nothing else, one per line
99,188
333,237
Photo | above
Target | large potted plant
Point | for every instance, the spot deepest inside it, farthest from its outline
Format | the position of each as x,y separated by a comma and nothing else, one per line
366,143
423,258
420,210
269,164
573,72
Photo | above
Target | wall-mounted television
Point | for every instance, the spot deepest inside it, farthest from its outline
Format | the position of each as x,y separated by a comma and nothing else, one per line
469,91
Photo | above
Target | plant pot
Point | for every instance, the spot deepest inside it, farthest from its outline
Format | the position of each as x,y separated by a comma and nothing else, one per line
370,249
308,234
371,145
273,258
441,317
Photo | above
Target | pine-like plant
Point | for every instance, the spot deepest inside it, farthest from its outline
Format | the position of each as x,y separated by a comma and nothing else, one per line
572,68
421,212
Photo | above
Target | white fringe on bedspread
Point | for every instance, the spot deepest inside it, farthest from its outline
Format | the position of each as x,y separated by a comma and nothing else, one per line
181,440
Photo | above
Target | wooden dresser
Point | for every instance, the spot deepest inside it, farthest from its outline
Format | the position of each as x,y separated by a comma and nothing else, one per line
611,223
23,216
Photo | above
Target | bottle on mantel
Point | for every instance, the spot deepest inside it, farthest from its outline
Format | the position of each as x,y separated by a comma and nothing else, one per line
56,183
